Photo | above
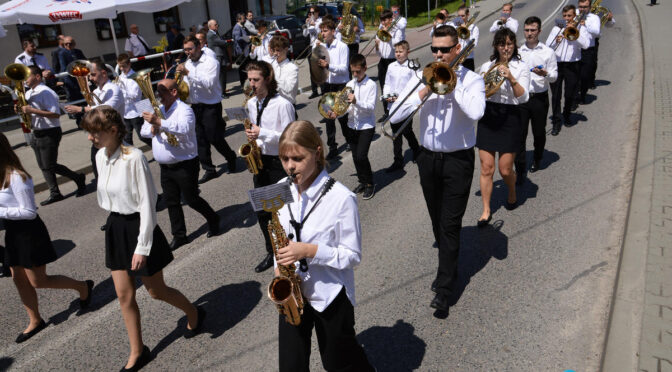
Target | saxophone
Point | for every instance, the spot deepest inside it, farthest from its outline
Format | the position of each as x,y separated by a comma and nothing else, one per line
285,289
251,152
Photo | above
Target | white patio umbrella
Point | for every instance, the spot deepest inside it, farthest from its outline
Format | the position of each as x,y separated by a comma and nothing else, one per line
47,12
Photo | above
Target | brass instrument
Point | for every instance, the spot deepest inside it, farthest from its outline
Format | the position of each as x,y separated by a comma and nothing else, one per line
144,82
18,73
336,102
251,152
448,19
182,86
256,40
80,70
570,30
463,31
493,79
441,79
285,289
383,34
318,72
349,23
297,59
602,12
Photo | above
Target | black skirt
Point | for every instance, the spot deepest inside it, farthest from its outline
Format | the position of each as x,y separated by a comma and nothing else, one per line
121,239
27,243
500,128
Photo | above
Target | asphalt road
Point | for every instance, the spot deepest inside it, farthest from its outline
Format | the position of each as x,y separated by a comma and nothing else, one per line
535,286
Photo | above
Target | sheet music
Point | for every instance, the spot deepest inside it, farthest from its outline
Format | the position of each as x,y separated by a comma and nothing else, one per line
144,106
236,113
272,194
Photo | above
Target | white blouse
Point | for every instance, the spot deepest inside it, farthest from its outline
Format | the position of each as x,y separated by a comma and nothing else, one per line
334,227
125,186
521,73
17,202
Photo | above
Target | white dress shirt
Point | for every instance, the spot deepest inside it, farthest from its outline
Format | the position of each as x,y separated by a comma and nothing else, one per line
110,95
125,186
511,23
180,121
203,80
261,53
338,62
208,52
397,76
447,122
543,56
334,227
287,76
401,25
43,98
134,45
386,50
132,94
362,113
17,201
277,115
313,31
38,59
521,72
567,51
593,26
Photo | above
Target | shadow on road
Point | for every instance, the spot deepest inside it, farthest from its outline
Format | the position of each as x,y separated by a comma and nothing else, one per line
63,246
600,83
394,348
5,362
478,245
235,216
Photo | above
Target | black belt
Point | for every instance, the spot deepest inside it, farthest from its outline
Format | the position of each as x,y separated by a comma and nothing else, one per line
126,216
441,155
39,133
197,105
544,93
178,164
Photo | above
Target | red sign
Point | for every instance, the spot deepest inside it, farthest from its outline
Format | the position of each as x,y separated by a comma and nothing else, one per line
65,15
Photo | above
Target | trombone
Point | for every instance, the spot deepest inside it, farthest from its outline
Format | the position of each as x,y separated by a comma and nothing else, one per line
383,34
441,79
297,60
463,30
569,30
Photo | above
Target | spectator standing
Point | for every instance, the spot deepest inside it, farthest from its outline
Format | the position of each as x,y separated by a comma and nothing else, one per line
218,45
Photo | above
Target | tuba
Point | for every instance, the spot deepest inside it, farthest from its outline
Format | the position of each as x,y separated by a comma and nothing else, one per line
334,101
285,289
18,73
142,78
251,152
80,70
349,22
493,79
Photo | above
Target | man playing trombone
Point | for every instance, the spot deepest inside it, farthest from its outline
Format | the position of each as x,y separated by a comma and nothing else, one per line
462,19
401,21
385,49
446,159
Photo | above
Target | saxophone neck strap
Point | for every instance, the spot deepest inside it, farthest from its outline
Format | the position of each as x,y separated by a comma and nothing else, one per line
260,111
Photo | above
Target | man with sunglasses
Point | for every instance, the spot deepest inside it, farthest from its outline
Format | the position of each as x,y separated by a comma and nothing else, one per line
401,21
446,158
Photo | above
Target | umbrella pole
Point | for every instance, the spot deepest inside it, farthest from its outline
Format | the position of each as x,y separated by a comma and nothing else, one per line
114,36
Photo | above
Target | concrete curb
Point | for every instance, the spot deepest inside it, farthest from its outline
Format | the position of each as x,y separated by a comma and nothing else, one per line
621,347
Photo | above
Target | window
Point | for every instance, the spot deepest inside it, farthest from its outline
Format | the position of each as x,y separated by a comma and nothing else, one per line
103,27
43,36
163,19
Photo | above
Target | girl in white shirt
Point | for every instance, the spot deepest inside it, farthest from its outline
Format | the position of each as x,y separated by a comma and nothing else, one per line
330,244
28,248
134,243
500,129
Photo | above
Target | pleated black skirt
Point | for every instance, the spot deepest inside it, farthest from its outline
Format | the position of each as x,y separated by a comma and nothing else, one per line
121,239
500,128
27,243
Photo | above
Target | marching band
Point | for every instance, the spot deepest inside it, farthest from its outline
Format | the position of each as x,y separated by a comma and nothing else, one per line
458,110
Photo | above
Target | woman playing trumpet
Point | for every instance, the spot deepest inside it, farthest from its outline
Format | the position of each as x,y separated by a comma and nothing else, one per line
507,81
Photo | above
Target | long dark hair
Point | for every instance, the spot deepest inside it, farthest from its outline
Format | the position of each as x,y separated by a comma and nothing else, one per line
9,162
500,39
267,72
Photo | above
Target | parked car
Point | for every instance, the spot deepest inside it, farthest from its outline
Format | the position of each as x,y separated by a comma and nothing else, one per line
288,26
334,9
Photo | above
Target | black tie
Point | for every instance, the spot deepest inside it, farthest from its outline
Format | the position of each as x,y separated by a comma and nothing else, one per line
144,44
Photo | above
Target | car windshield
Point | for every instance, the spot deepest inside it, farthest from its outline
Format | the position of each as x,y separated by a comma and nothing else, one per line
288,23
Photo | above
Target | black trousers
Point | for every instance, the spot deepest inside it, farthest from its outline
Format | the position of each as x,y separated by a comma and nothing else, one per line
568,73
353,50
597,52
382,72
588,68
469,64
45,145
181,179
335,330
445,179
210,127
222,72
410,138
94,151
271,173
360,142
536,111
331,123
135,124
242,71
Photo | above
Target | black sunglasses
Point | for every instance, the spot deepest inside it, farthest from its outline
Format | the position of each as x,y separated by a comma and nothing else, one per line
444,50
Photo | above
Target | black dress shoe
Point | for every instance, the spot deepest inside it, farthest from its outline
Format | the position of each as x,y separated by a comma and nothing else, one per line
207,176
567,119
265,264
369,192
485,222
52,199
394,167
332,154
213,228
440,302
556,129
189,333
103,227
231,165
26,336
81,185
83,304
434,286
314,95
177,242
536,165
511,206
142,361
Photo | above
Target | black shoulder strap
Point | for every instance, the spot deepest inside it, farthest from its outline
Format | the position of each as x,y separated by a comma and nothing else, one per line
264,103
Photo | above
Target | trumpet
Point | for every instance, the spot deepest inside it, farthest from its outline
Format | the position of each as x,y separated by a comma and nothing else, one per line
182,86
80,70
18,73
144,82
441,79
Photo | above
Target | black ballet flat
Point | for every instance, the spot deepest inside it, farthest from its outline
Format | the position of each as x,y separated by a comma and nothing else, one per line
484,223
511,206
190,333
83,304
142,361
26,336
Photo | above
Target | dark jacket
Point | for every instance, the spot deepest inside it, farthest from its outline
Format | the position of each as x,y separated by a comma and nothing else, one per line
177,43
55,62
217,44
66,56
241,40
